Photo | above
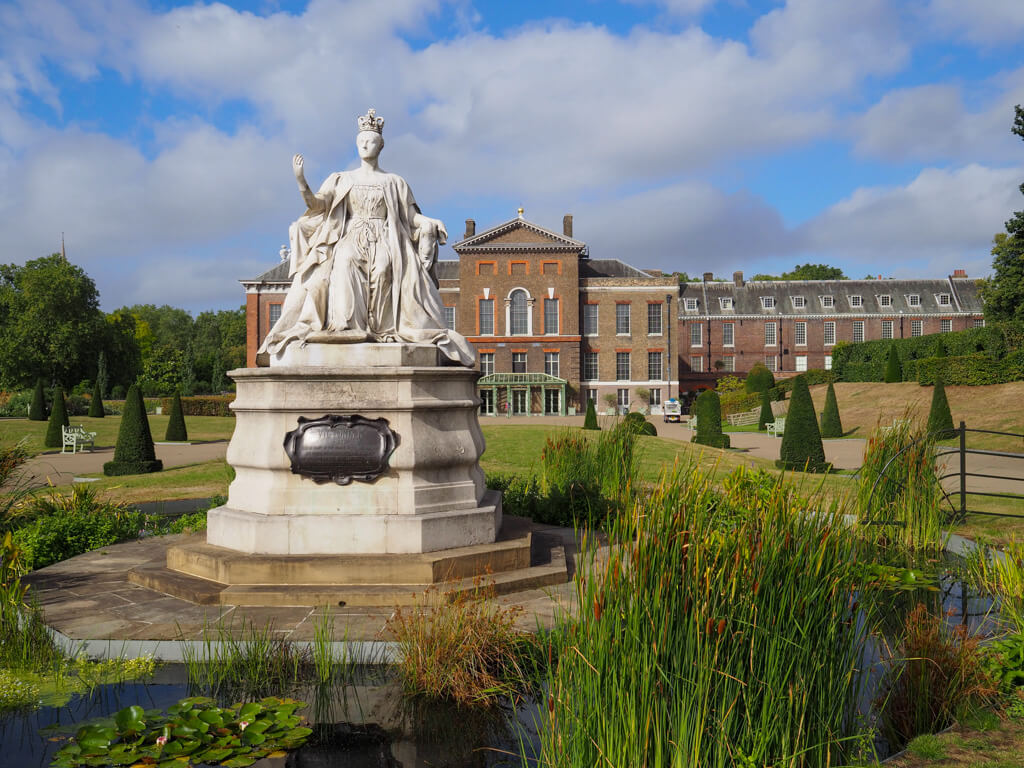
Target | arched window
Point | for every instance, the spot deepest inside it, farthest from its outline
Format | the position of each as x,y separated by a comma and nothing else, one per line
518,314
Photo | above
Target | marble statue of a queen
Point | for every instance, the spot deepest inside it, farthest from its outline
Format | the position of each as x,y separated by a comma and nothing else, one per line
362,260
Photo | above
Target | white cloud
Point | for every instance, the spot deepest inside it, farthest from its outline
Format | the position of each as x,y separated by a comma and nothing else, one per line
985,22
677,7
932,123
941,220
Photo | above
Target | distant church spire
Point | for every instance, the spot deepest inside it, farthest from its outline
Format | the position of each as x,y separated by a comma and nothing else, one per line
63,253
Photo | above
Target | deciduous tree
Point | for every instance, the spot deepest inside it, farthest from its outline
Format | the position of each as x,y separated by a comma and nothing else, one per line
1004,291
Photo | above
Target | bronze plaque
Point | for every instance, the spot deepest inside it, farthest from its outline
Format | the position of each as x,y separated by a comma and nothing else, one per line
340,448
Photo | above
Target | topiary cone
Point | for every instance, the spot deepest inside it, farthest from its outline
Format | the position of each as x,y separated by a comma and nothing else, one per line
37,411
940,419
176,431
801,447
58,419
766,415
831,424
758,380
590,420
134,453
893,370
96,404
709,420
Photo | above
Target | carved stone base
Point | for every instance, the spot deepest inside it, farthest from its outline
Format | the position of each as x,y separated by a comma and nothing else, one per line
431,495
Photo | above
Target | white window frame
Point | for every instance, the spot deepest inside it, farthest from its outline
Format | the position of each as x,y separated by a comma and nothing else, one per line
771,335
888,329
689,305
913,300
552,364
622,397
696,335
449,318
978,322
916,328
526,362
655,396
699,360
944,299
800,362
481,315
771,362
659,370
558,316
856,301
828,362
799,302
486,363
596,361
726,302
767,302
621,357
945,325
800,329
728,334
828,301
829,325
274,313
655,312
627,317
885,300
729,363
587,308
858,330
529,312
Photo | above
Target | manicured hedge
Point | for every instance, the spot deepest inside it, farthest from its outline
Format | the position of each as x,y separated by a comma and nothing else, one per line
866,361
37,411
970,370
134,453
590,420
58,419
801,448
759,379
709,421
204,405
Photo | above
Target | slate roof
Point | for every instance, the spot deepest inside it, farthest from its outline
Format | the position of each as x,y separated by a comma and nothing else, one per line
482,240
610,268
747,298
447,269
276,274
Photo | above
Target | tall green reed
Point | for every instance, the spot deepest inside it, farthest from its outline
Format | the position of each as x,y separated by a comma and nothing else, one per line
1001,573
899,497
717,634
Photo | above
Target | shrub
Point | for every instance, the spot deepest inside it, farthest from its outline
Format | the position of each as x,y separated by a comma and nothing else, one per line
211,405
766,414
58,418
759,379
176,430
16,403
738,401
37,411
134,453
935,674
940,419
709,421
801,447
96,404
68,525
893,373
590,420
118,392
831,424
76,405
970,370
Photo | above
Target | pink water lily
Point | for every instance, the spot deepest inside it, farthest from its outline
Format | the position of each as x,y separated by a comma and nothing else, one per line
161,740
243,724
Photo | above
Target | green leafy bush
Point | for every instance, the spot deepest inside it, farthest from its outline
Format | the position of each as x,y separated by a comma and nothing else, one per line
207,405
970,370
590,420
940,419
16,403
68,525
176,431
96,403
134,453
76,405
58,418
37,411
831,424
801,448
709,421
759,379
739,401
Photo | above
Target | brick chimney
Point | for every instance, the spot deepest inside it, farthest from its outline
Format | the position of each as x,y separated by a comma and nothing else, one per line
470,228
959,273
737,279
708,277
567,225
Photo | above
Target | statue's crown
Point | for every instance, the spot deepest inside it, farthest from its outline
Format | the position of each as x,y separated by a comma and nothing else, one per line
370,122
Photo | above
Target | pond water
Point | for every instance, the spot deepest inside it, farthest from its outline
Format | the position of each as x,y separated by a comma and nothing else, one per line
367,724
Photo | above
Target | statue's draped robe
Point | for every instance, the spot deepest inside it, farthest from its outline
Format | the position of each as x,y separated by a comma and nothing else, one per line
315,238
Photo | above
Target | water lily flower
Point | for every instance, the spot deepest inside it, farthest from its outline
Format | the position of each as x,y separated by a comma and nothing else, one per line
243,724
161,740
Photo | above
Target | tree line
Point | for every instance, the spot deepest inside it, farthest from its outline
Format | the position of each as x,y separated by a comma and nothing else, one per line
52,329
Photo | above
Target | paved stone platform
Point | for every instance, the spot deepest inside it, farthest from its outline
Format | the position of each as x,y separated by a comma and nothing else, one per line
89,600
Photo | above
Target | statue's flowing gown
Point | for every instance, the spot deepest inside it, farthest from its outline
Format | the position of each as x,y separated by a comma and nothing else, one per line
355,269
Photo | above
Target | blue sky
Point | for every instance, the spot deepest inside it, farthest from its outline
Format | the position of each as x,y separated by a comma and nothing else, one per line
695,135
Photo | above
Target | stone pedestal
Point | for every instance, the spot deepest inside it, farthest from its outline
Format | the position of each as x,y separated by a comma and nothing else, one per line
432,495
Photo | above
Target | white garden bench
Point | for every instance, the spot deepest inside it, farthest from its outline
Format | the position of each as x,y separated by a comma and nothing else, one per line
77,438
776,428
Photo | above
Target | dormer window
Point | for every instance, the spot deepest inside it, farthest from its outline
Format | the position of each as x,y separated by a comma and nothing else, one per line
828,301
885,300
690,305
856,301
799,302
944,299
914,299
726,302
767,302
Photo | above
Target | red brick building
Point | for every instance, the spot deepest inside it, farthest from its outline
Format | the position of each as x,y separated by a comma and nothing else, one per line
554,327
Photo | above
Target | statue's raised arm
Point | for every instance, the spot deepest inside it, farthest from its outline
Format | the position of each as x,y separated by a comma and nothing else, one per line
312,201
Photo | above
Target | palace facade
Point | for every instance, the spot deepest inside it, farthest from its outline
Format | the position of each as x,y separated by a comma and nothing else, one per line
554,327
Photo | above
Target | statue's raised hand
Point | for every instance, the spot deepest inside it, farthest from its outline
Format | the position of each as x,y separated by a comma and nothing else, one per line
297,168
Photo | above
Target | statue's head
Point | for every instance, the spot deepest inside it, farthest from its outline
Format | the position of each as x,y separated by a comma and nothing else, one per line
370,139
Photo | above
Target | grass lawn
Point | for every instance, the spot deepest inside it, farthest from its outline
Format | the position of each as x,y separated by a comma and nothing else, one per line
199,428
191,481
963,747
